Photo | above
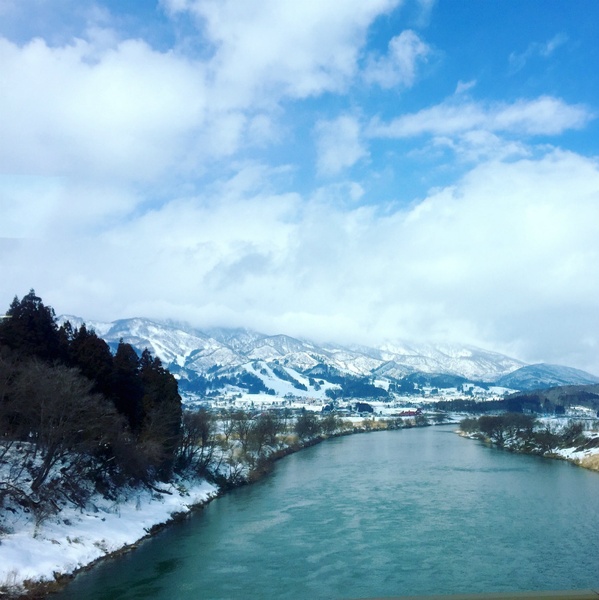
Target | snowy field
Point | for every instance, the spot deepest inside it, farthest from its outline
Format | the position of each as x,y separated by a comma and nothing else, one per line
75,538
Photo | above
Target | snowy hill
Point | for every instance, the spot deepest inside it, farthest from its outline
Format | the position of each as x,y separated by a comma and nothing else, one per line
542,376
216,358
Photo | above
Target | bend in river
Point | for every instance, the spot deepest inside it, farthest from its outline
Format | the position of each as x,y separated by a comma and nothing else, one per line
419,511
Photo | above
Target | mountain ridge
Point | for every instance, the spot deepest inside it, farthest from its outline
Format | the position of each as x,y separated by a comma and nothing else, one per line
195,354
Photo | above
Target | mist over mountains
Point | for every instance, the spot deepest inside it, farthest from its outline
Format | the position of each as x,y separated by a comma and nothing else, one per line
209,360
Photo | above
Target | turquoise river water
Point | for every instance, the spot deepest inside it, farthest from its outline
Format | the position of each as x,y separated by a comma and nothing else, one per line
418,511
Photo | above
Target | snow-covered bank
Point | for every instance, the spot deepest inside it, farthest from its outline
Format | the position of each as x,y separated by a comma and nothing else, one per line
574,441
74,538
40,554
587,458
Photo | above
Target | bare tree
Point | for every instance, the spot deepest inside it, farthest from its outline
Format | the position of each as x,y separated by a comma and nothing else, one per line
264,432
198,440
242,427
227,425
61,416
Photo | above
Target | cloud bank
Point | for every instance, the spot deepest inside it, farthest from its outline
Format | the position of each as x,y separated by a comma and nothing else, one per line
465,263
236,172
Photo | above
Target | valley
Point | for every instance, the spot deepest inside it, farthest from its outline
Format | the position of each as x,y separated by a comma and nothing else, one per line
221,368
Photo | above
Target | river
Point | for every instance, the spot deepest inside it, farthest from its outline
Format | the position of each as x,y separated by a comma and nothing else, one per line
420,511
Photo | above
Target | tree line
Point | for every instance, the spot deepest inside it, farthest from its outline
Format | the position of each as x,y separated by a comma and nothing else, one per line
232,447
76,418
523,432
68,403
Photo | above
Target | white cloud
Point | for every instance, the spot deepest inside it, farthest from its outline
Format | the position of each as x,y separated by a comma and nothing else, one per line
267,50
344,193
262,130
542,116
479,145
38,207
339,144
510,253
126,111
398,68
542,50
477,131
463,86
100,107
426,9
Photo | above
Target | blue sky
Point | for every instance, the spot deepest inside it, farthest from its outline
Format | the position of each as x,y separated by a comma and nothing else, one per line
350,171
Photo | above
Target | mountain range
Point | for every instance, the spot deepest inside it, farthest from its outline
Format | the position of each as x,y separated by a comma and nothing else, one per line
211,360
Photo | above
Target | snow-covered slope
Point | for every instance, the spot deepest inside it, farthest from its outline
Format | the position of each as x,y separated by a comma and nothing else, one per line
232,352
465,361
196,351
545,376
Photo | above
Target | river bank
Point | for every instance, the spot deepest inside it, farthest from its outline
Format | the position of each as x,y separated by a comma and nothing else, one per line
587,459
40,557
407,513
521,434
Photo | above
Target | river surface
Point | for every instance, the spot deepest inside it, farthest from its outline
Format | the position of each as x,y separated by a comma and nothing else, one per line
420,511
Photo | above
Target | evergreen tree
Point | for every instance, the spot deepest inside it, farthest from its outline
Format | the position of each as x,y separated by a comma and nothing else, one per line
30,328
65,338
111,419
92,356
126,387
162,410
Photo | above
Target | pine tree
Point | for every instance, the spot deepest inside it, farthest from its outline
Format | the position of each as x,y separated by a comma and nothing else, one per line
126,386
30,328
162,408
92,356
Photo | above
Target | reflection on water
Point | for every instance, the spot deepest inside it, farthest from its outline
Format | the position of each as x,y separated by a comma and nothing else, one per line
392,513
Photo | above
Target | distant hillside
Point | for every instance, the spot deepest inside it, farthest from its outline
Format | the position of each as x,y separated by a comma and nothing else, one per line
542,376
558,397
211,361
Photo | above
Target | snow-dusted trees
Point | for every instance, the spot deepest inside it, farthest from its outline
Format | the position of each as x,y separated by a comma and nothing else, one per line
509,426
56,434
523,432
307,425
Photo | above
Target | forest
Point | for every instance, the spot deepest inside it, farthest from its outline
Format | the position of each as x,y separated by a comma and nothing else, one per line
77,419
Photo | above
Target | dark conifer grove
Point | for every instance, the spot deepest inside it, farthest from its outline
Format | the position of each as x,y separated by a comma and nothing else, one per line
72,407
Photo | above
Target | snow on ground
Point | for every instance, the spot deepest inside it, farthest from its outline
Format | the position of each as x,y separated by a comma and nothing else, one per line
74,538
282,387
574,454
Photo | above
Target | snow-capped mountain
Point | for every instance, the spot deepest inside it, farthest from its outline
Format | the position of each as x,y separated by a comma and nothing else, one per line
544,375
282,364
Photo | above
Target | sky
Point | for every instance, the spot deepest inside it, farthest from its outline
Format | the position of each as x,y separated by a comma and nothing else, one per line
353,171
